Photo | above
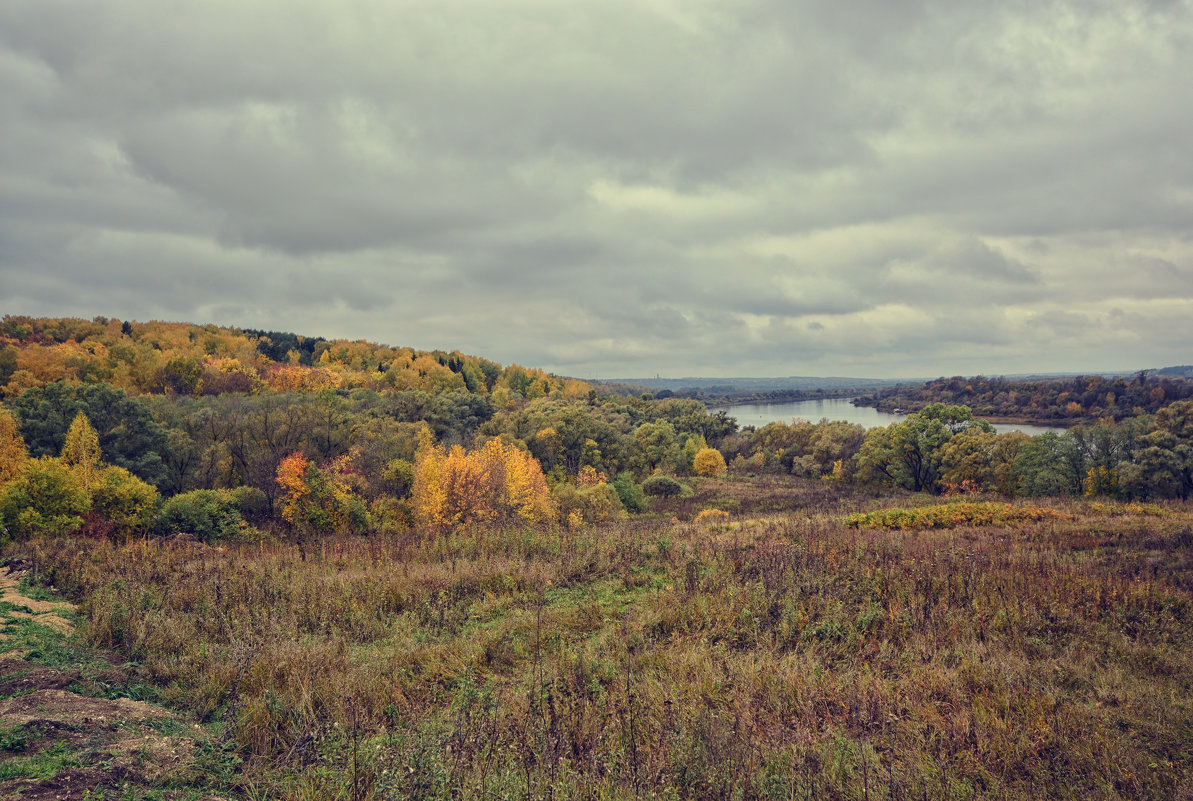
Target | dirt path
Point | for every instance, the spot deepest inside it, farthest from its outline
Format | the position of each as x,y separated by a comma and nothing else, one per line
47,613
64,731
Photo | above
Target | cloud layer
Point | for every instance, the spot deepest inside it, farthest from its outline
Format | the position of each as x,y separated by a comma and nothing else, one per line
615,187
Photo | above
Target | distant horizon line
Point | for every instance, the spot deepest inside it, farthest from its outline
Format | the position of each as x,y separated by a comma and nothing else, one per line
925,377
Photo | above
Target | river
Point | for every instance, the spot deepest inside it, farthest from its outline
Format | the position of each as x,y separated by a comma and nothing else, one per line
759,414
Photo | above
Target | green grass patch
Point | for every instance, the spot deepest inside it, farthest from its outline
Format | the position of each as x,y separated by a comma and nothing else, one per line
48,647
8,606
14,739
35,590
41,766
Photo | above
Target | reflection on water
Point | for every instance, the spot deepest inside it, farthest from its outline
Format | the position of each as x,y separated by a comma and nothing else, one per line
759,414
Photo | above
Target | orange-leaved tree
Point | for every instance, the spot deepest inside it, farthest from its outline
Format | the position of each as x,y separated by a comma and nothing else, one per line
321,500
496,484
589,476
296,378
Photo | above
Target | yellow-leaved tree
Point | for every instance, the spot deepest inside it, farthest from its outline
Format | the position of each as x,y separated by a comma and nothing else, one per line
709,462
80,451
120,504
496,484
13,452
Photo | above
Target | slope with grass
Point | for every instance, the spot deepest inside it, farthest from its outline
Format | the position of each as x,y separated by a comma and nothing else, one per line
776,653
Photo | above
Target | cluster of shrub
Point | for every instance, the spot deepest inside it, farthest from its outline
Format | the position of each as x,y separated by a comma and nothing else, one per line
78,491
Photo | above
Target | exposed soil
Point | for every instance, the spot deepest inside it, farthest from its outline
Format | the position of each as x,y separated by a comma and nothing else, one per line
47,613
61,739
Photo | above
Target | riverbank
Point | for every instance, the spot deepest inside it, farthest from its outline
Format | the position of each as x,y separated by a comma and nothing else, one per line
999,419
763,398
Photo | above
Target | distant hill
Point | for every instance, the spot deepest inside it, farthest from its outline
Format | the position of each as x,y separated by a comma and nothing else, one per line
173,358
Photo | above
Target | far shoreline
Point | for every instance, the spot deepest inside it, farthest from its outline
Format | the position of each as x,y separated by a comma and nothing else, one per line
1006,420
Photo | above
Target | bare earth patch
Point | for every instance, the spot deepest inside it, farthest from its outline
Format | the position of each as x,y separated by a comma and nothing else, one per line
47,613
59,742
60,706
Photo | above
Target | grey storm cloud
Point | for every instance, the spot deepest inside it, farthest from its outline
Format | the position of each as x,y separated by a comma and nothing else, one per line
618,187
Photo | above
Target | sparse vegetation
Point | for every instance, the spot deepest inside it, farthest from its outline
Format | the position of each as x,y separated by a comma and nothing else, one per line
74,722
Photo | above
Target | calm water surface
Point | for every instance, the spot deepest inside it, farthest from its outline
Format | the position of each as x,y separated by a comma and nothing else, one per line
758,415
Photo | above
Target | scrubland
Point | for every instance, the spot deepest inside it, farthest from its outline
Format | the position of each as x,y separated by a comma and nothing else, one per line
779,653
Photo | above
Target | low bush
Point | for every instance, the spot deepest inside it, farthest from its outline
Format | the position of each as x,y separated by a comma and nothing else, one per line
662,486
596,504
124,500
45,498
631,495
252,503
709,462
207,515
951,515
711,516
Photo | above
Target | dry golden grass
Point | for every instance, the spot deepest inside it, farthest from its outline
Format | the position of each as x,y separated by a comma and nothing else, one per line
779,655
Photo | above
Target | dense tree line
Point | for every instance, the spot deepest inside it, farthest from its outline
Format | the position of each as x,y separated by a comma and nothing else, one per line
180,359
313,445
945,449
360,460
1070,400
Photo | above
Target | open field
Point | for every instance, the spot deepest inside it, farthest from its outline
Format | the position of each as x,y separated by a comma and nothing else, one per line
778,654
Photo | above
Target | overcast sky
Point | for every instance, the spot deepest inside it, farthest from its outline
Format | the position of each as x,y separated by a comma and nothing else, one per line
615,187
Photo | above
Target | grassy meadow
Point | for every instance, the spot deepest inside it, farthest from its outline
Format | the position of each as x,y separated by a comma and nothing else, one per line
804,647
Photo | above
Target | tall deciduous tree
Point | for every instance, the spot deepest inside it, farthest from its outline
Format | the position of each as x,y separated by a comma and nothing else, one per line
1048,465
1165,457
13,453
320,501
80,451
910,453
